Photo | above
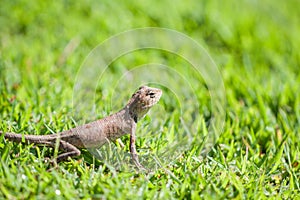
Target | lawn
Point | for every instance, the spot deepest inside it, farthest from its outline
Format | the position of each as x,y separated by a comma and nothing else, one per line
226,127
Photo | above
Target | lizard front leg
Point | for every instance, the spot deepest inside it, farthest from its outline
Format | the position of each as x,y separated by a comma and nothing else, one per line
133,149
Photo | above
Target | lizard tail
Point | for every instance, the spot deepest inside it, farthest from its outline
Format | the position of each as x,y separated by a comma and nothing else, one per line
15,137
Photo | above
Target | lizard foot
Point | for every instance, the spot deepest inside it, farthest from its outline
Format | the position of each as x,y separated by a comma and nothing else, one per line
140,167
52,162
137,162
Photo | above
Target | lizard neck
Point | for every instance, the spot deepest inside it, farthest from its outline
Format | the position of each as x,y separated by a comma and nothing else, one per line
135,110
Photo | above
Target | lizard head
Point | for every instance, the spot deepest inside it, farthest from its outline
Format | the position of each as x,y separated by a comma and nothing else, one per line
142,100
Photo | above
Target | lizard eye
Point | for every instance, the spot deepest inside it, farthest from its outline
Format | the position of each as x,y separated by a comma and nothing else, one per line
152,94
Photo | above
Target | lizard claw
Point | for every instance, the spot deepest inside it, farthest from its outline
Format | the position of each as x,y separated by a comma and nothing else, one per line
142,168
52,162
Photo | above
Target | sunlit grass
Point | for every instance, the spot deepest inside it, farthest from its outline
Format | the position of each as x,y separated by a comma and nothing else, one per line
256,47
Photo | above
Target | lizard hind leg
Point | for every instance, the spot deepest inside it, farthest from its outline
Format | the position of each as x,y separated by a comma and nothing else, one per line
69,149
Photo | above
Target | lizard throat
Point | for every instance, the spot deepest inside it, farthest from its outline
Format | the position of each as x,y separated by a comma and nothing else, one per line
138,113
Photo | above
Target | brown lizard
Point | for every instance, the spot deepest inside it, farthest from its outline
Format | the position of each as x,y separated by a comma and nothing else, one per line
97,133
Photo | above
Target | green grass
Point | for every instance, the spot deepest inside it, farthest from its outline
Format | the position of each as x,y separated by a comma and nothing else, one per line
256,48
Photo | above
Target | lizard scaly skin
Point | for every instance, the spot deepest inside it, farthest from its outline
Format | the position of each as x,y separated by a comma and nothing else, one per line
97,133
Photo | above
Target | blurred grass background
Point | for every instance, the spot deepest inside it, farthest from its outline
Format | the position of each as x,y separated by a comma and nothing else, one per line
255,45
